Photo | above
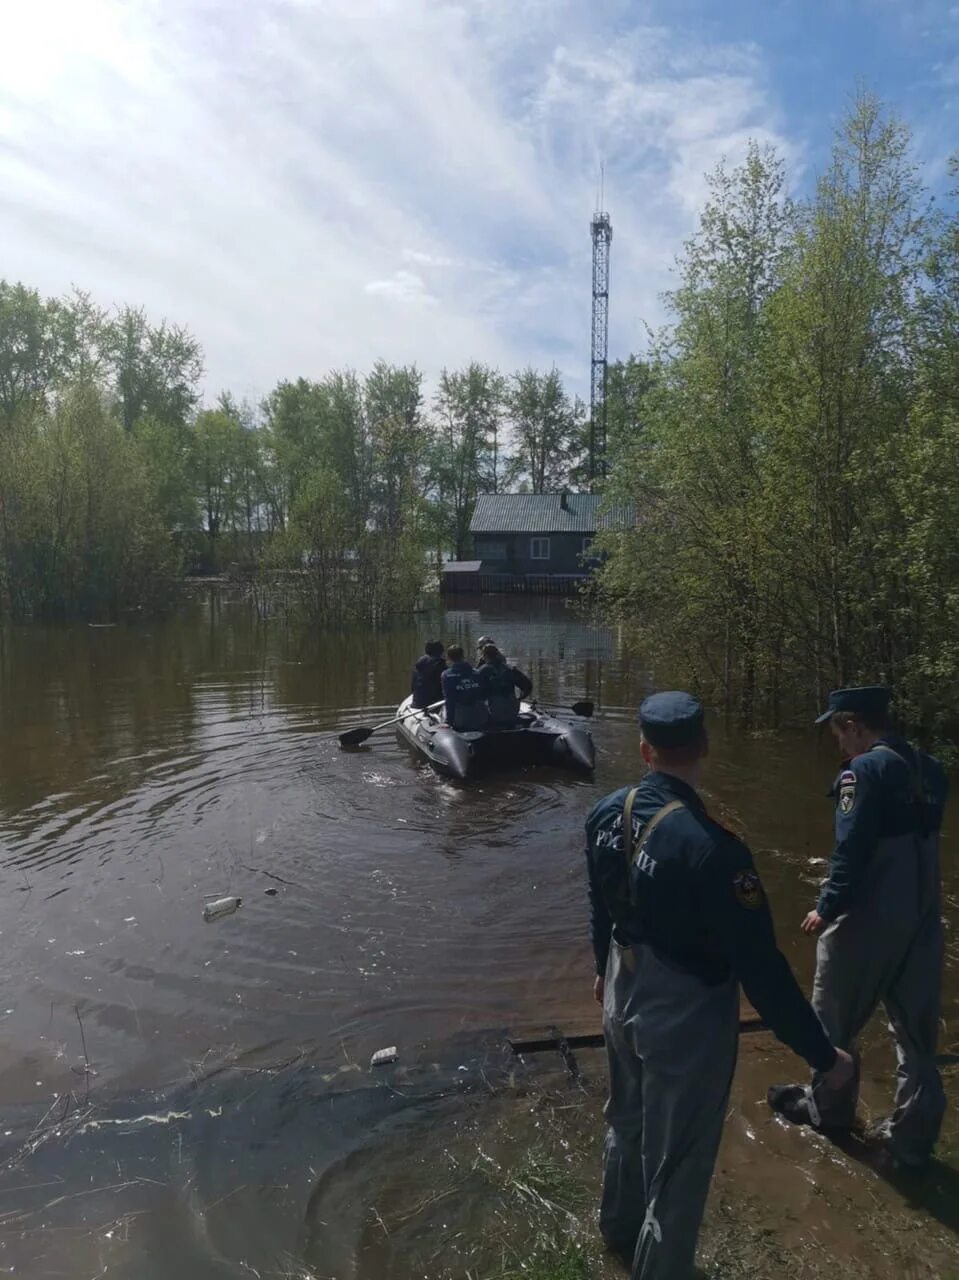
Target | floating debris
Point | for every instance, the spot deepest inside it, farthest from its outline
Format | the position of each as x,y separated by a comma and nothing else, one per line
221,907
383,1057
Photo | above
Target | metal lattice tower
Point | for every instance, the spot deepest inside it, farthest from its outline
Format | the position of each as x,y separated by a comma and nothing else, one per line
601,230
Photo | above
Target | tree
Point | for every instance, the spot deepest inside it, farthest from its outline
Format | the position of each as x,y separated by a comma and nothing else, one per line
31,349
465,456
79,525
84,337
837,385
797,468
694,470
393,399
548,428
156,368
218,449
628,385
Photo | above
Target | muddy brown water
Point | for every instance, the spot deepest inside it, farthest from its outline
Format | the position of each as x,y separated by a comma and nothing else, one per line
192,1099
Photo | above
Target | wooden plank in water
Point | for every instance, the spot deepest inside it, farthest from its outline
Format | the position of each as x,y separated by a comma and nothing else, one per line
544,1039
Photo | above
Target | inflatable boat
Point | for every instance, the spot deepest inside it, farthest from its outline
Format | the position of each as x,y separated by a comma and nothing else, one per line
536,738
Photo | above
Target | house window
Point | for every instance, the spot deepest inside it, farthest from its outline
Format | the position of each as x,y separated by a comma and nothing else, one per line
539,549
587,543
492,550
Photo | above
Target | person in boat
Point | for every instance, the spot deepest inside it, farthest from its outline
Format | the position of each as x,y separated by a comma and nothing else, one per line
879,920
463,693
503,686
679,922
426,685
481,644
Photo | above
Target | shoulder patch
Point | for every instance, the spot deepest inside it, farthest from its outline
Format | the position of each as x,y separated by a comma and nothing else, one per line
748,889
847,791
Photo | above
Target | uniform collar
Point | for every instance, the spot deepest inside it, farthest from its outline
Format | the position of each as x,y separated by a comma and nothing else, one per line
899,744
676,787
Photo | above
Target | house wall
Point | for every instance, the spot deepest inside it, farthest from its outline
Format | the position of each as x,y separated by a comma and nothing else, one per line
513,552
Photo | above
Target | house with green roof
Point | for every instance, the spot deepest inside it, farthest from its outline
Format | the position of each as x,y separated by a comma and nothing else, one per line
533,541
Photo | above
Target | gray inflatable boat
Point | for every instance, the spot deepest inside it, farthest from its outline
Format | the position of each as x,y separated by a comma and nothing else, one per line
537,738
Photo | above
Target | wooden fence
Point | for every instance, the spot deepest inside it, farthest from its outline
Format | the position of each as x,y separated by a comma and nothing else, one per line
525,584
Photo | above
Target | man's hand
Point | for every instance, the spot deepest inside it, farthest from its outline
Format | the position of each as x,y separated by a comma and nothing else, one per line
841,1074
814,923
599,988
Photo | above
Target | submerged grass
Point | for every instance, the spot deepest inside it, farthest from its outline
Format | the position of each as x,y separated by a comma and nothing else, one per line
520,1201
555,1260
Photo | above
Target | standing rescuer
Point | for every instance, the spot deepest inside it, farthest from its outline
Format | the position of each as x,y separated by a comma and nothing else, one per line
679,920
880,919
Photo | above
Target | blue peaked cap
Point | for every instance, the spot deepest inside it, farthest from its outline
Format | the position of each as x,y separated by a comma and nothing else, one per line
869,699
672,719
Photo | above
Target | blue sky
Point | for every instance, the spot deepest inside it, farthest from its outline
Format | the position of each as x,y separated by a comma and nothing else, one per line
310,184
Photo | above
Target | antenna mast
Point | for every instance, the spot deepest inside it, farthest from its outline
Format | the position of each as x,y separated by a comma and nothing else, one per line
601,230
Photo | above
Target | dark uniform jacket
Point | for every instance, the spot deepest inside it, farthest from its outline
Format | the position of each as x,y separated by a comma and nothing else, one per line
500,682
890,790
463,691
697,901
426,685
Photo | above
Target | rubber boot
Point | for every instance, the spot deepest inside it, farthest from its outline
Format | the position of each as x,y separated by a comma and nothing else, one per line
813,1104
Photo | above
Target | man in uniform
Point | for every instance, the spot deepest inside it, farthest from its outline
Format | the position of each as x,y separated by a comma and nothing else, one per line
879,918
500,684
426,684
465,701
679,920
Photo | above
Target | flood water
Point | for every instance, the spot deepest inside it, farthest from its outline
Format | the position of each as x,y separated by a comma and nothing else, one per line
147,769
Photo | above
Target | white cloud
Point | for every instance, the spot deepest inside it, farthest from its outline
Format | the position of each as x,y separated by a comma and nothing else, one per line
311,184
404,286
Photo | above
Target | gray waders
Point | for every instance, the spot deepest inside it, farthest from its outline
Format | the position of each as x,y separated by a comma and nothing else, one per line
889,949
671,1041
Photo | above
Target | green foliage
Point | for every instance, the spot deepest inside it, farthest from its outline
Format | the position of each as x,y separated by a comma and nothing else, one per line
628,384
350,457
79,525
344,488
795,462
548,428
466,456
31,350
48,343
156,368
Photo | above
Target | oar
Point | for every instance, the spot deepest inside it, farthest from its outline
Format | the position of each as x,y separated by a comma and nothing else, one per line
578,708
353,737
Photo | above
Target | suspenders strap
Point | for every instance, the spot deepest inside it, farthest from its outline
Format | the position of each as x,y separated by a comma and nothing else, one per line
632,847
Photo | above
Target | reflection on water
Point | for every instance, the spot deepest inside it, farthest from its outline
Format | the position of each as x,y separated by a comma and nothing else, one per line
147,769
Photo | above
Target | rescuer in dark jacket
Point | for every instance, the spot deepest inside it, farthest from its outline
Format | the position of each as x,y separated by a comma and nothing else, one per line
465,704
481,644
679,922
500,683
426,685
879,917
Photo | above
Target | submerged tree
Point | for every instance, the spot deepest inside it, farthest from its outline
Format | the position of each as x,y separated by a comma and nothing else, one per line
795,474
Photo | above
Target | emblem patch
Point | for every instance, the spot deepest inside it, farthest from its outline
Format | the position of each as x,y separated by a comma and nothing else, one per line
748,889
847,791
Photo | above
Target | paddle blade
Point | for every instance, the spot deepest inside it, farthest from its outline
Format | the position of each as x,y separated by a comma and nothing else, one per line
582,708
353,737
